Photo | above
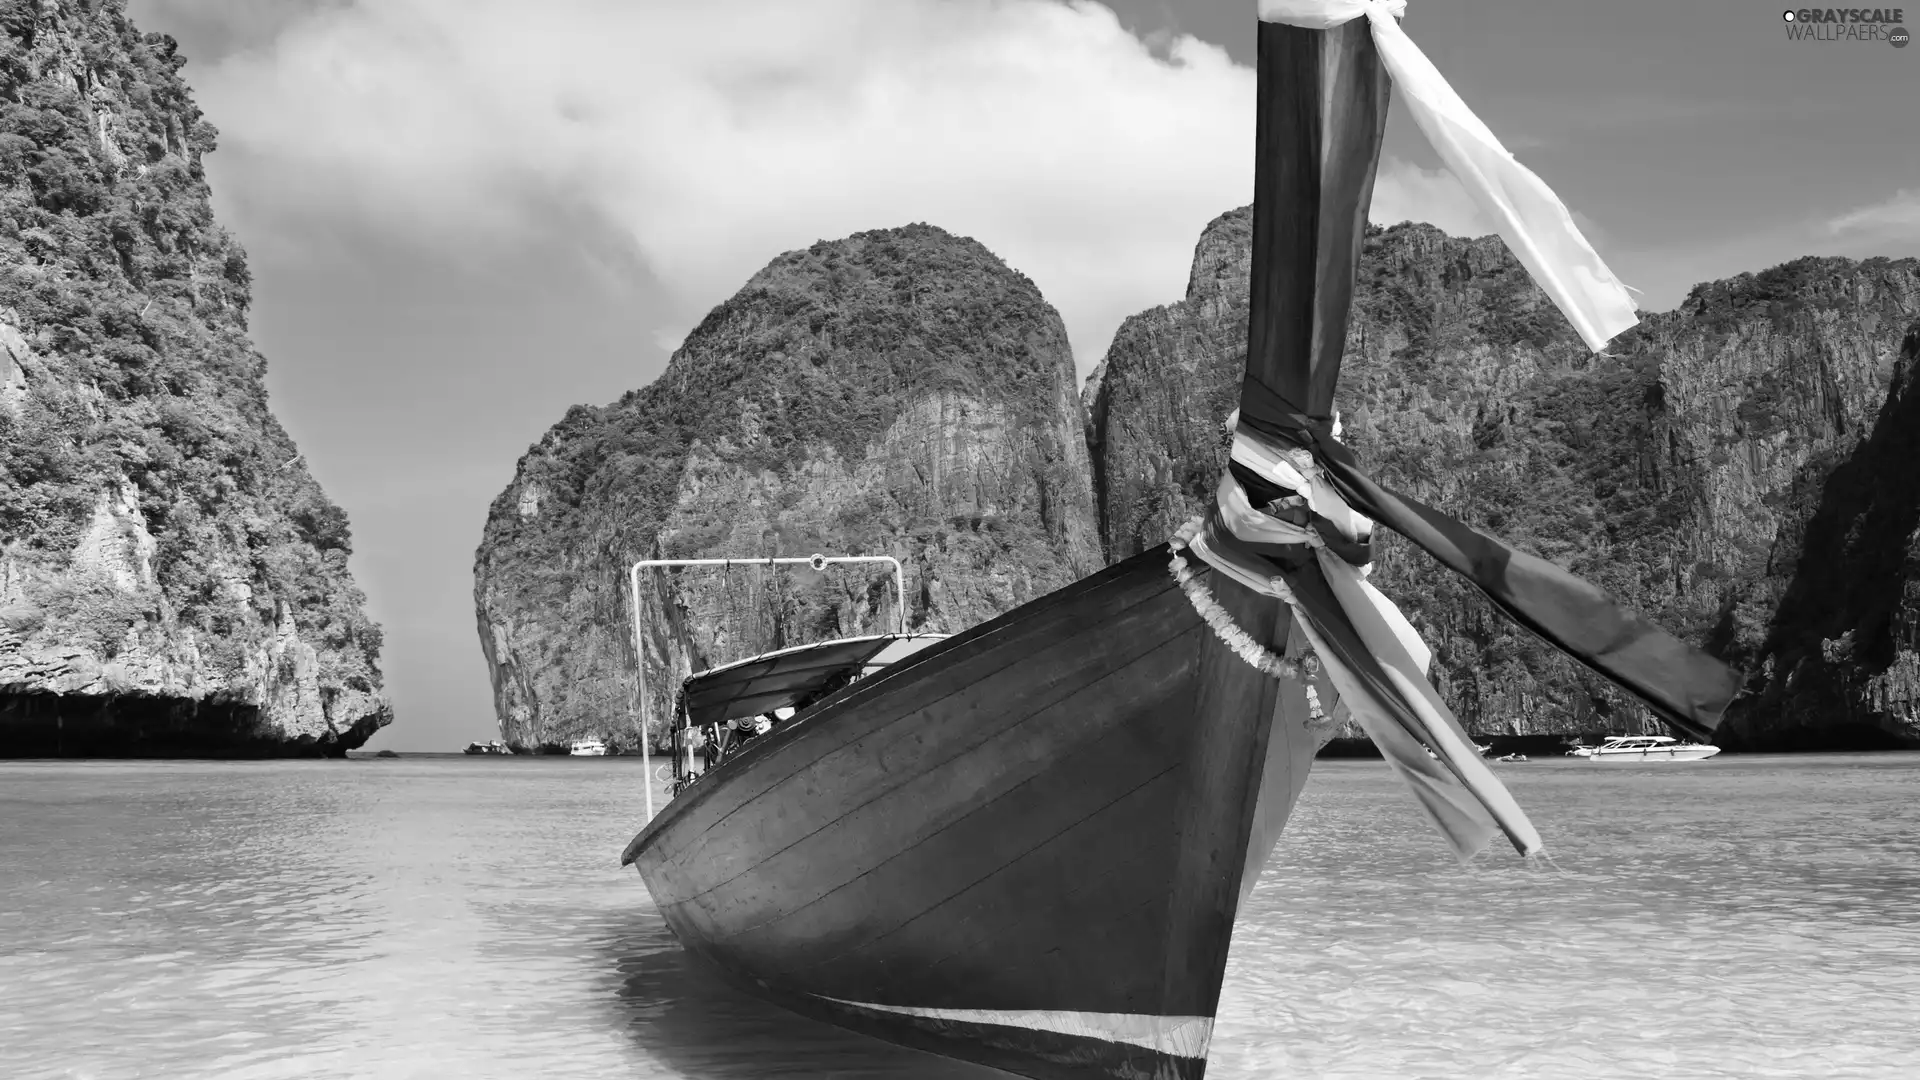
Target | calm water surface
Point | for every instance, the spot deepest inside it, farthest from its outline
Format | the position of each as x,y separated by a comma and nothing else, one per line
466,917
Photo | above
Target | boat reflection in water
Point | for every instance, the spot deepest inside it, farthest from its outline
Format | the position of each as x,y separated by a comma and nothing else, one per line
1631,748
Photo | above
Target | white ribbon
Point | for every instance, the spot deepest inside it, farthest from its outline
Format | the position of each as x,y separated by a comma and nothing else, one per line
1535,224
1246,523
1296,471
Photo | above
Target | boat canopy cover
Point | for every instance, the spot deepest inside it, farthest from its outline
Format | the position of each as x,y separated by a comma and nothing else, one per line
783,679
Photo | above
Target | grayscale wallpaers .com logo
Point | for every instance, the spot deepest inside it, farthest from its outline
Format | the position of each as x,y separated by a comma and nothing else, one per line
1848,24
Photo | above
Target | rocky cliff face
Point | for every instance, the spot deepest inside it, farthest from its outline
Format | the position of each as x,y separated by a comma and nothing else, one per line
172,579
1838,661
1680,472
895,393
1159,399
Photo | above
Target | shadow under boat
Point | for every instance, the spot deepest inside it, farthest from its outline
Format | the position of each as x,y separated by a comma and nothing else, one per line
681,1012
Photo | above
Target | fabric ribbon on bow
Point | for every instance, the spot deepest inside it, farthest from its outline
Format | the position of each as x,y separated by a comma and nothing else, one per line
1534,223
1373,657
1315,560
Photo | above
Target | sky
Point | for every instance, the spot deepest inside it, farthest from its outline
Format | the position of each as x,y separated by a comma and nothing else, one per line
465,216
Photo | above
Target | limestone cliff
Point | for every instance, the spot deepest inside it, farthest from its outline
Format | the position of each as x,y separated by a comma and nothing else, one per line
1679,472
1838,661
172,579
900,392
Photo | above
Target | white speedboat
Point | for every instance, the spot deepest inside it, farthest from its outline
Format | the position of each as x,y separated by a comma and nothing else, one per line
588,748
1644,748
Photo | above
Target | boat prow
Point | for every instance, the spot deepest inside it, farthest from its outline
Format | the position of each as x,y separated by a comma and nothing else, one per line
1090,804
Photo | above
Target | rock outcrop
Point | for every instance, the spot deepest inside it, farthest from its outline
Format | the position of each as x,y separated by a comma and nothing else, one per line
1838,662
1681,472
900,392
172,579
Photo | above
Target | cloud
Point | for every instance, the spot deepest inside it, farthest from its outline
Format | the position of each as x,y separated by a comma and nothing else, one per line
220,27
713,136
1404,192
1898,216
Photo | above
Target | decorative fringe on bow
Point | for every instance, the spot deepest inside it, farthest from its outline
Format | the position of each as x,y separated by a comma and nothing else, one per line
1257,656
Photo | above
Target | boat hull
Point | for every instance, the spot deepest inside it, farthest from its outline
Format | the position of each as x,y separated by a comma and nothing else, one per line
1023,847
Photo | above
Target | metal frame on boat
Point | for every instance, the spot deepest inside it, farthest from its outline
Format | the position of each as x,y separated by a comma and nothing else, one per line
815,562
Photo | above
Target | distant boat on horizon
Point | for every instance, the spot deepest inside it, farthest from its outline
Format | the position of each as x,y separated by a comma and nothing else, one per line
494,747
1631,748
1478,748
591,747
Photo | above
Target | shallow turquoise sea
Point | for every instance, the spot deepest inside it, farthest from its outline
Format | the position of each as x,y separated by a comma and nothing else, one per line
466,917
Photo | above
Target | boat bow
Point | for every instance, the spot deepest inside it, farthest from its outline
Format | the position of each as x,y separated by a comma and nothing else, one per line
1308,543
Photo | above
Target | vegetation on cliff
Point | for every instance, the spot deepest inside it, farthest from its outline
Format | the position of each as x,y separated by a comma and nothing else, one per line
171,577
899,392
1678,472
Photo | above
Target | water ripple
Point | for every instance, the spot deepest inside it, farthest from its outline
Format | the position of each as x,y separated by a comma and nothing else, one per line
1750,917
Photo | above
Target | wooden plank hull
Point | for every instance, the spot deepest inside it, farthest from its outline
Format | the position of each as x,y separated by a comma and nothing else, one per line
1023,847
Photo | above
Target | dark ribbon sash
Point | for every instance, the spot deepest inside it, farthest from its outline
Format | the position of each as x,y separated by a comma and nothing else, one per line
1683,685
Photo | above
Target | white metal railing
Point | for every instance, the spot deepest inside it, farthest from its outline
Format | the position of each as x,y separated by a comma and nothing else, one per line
816,562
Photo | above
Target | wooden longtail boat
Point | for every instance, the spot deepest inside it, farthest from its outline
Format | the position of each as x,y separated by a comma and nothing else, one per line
1025,845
